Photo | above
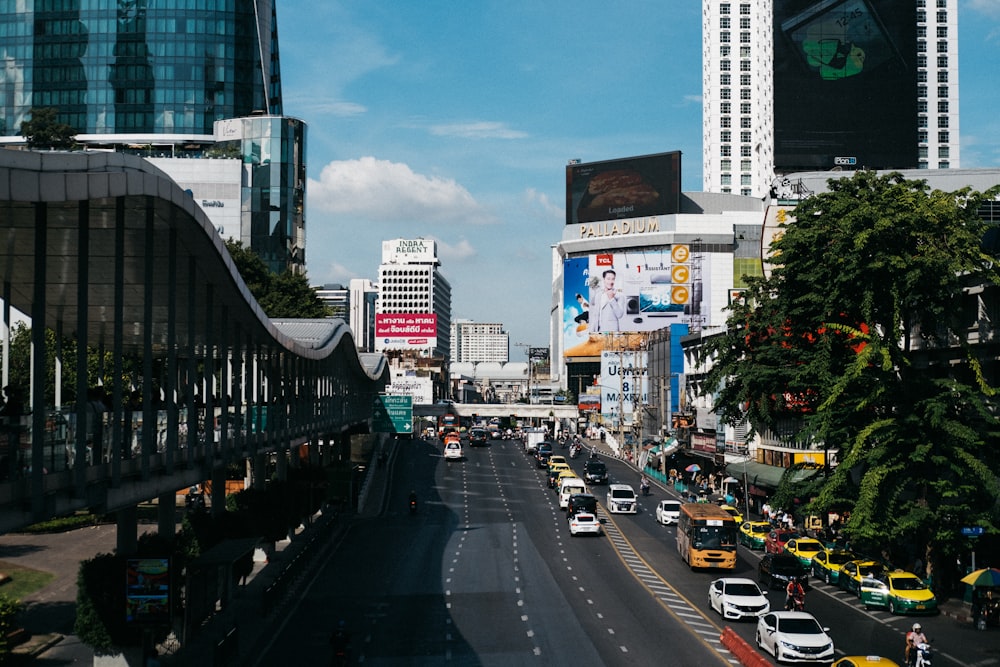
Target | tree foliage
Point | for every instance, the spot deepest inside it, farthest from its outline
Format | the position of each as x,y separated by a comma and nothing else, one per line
284,295
858,341
45,131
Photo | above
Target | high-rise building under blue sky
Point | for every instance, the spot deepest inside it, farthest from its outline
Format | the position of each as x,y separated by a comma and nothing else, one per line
129,70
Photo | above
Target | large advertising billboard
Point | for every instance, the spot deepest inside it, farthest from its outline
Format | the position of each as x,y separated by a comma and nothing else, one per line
628,292
624,386
409,251
845,84
627,188
405,331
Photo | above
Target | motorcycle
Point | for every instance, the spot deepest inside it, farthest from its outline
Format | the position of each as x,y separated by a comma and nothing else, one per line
574,451
795,604
923,655
644,487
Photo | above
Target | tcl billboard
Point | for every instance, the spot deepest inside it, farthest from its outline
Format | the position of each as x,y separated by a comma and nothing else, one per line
405,331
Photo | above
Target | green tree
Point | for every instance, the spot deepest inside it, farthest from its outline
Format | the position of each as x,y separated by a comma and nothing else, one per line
45,131
285,295
822,351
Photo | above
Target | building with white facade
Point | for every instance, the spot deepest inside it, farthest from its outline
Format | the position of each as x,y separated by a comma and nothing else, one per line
478,342
337,298
775,102
413,310
363,295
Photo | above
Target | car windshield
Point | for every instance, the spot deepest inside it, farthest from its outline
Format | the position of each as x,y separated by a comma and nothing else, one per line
747,590
870,570
907,584
799,626
839,559
595,467
714,537
762,528
622,493
584,518
786,565
784,537
809,546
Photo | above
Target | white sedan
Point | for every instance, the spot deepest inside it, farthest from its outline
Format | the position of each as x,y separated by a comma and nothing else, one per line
794,636
584,523
737,598
453,451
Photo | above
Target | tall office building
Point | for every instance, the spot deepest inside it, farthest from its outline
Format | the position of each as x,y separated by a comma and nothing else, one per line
337,298
413,310
801,85
478,342
138,72
363,296
155,79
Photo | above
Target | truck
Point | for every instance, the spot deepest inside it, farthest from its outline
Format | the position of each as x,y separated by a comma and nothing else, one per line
533,436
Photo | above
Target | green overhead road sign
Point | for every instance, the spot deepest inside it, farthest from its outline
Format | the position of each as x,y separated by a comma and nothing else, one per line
393,414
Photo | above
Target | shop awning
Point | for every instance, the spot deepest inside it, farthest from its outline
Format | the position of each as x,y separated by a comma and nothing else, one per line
760,474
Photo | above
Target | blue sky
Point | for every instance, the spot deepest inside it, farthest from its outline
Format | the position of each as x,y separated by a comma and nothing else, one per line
454,121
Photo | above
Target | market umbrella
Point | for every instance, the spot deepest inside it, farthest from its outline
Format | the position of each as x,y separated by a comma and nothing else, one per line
730,480
694,467
989,576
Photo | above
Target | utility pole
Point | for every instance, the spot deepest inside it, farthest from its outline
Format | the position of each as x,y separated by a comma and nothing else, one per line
527,348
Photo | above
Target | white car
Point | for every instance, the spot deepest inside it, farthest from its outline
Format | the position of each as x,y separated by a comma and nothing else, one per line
794,636
668,512
584,523
737,598
622,500
453,451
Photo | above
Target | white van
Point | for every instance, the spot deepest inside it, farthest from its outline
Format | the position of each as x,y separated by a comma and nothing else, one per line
569,486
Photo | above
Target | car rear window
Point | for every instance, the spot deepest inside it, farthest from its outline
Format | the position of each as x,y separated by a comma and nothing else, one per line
622,493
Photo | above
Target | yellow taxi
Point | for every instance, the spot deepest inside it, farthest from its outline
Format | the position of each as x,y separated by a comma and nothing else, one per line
735,512
804,548
553,460
554,471
563,475
898,591
852,572
864,661
826,564
753,533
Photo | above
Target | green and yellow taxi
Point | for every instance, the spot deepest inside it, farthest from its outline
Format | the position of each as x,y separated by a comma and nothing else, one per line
753,533
852,572
826,564
555,459
864,661
735,512
900,592
804,548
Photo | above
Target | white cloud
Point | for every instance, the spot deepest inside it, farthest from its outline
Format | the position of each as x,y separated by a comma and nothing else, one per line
380,190
691,99
310,106
542,200
454,251
477,130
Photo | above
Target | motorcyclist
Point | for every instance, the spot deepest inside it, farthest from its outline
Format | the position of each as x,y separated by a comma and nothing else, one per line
914,638
795,595
340,642
644,485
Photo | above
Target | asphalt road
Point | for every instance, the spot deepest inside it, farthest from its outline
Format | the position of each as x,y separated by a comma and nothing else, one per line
486,573
854,630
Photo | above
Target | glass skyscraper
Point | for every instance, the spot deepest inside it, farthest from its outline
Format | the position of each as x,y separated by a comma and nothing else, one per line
121,71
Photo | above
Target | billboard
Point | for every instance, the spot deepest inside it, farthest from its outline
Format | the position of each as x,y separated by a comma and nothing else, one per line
624,386
405,331
626,188
409,251
147,590
845,84
420,388
628,292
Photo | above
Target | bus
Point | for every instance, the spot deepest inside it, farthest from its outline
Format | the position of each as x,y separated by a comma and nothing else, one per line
706,536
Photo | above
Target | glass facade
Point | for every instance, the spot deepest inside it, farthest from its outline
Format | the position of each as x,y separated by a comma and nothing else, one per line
138,67
274,189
